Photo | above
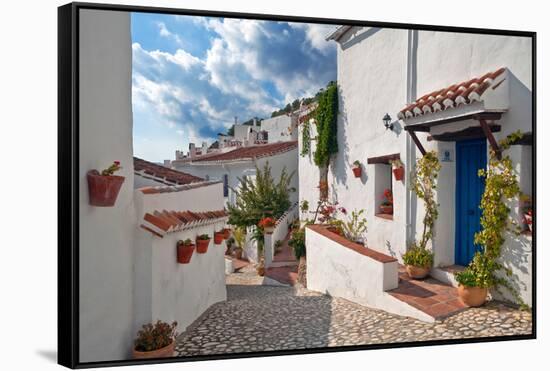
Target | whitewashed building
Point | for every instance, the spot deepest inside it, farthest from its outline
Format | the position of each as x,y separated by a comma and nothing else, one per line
449,92
128,272
229,166
281,128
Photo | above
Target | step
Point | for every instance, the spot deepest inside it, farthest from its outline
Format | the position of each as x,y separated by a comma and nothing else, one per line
286,275
431,296
289,263
446,274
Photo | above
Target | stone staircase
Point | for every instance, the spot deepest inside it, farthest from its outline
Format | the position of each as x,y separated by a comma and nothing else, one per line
284,267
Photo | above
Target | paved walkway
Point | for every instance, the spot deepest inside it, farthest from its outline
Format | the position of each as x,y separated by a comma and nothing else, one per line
262,318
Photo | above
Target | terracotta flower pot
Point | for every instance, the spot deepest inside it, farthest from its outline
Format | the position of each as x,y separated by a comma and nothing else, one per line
399,173
417,272
184,253
226,233
218,237
357,171
202,246
103,190
167,351
472,296
386,209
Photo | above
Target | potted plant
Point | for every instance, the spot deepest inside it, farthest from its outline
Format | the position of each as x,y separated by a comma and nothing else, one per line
229,244
398,169
203,241
298,244
185,250
386,207
103,188
267,224
418,261
226,233
354,226
260,268
527,209
278,245
474,281
356,169
240,238
219,237
155,341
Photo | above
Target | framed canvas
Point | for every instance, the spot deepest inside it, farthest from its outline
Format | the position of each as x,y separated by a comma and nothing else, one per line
239,185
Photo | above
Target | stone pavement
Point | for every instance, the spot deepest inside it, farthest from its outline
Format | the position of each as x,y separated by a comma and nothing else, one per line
257,317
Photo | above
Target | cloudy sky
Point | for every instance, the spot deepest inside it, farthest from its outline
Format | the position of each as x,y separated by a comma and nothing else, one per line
193,75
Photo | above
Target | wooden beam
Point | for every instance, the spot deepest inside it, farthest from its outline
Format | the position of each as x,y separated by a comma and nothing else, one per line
490,116
471,132
490,137
417,142
383,159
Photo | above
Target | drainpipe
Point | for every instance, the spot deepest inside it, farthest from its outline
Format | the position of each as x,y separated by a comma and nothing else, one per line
412,46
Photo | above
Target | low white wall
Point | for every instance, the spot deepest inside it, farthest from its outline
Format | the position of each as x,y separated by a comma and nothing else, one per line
170,291
279,233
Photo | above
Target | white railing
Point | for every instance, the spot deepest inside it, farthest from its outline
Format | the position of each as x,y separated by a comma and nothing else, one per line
279,233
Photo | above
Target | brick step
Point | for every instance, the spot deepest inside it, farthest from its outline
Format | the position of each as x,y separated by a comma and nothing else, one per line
431,296
287,275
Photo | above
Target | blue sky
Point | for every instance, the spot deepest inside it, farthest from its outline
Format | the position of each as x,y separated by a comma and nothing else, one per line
192,75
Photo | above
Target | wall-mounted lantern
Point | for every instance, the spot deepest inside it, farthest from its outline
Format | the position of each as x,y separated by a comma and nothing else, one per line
387,122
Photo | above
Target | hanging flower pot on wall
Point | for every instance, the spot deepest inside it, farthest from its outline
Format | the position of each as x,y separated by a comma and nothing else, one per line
185,250
356,169
226,233
219,237
399,173
202,243
268,225
103,189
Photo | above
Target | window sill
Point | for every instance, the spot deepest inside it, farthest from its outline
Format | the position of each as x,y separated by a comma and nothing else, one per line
384,216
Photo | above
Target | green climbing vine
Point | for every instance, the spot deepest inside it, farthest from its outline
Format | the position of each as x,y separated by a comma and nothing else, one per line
306,139
326,115
501,186
424,183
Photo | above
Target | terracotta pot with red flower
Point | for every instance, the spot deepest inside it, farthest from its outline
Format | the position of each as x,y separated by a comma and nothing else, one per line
103,188
219,237
386,207
202,243
267,224
527,208
356,169
155,341
398,169
185,250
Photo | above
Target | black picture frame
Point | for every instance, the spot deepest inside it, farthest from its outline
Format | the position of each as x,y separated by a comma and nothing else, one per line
68,193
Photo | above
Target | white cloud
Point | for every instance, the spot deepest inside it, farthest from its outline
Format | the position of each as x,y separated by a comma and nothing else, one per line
164,32
316,35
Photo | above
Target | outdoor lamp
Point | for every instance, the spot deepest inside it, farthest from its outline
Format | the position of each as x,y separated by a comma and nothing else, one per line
387,122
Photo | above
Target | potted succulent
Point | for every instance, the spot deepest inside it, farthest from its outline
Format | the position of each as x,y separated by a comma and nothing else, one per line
356,169
185,250
418,261
219,237
155,341
386,207
103,188
267,224
203,241
474,281
398,169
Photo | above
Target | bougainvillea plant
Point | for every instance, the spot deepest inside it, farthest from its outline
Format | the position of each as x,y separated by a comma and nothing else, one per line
115,166
157,336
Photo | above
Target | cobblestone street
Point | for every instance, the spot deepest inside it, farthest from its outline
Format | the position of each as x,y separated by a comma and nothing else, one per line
259,317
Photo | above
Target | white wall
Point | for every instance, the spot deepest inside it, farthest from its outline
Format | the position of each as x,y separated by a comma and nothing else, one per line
279,233
278,128
170,291
106,233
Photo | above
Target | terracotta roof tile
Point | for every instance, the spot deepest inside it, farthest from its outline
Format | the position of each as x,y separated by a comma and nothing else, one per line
176,188
161,222
249,153
164,174
452,96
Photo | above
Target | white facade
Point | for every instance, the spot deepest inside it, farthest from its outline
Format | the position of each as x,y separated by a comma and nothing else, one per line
233,170
127,276
381,71
282,128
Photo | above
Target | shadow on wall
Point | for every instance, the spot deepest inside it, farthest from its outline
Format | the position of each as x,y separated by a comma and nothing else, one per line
516,252
341,165
365,35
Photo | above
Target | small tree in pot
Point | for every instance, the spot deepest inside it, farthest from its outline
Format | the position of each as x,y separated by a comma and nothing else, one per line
475,280
155,341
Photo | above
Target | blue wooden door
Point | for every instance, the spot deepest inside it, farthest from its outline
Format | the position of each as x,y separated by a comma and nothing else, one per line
471,155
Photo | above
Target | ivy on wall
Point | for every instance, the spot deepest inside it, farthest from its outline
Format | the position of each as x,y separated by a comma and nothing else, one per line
326,116
306,139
